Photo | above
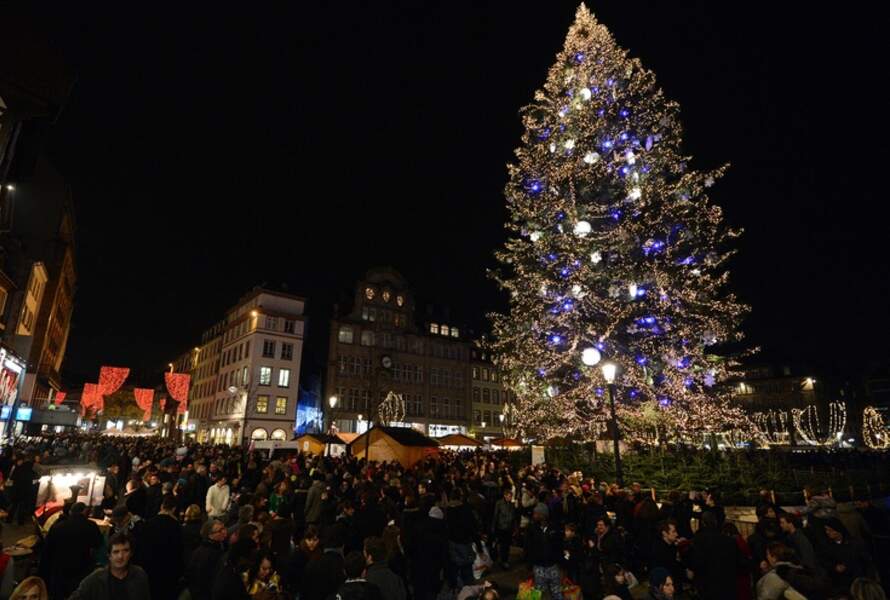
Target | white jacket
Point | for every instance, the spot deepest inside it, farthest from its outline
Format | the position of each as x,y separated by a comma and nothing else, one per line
217,500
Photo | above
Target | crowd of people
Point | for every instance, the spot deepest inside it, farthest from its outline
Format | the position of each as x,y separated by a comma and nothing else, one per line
218,523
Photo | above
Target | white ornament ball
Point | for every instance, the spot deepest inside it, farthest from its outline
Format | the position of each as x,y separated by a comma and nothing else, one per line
635,193
534,236
630,157
632,290
552,391
596,257
578,291
591,157
585,93
582,228
590,356
552,147
569,144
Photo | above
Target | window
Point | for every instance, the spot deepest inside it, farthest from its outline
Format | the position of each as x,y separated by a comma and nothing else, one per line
268,348
434,376
262,404
434,328
486,395
265,375
476,373
259,434
367,338
454,332
477,395
495,397
485,374
477,417
272,323
288,328
387,340
400,343
245,376
399,320
284,378
345,335
278,434
494,375
444,329
414,405
369,314
246,350
287,351
281,405
487,417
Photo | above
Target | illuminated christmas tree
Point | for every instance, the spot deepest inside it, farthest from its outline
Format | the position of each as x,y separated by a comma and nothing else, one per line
615,252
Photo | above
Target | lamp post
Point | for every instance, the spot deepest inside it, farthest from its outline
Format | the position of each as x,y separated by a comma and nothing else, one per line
501,419
609,371
332,402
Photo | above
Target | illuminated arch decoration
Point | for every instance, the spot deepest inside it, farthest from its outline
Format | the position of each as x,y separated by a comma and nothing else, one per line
178,386
392,409
809,428
90,398
144,399
874,429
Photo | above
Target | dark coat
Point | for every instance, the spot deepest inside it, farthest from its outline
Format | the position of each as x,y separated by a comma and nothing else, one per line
358,589
610,548
323,577
714,559
191,539
97,586
161,555
667,556
461,524
228,585
428,552
153,496
201,569
391,585
68,556
542,548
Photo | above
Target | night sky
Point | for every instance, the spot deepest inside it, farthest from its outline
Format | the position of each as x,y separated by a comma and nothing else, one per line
213,151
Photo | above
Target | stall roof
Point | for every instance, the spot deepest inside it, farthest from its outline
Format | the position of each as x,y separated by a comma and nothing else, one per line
506,443
458,439
406,436
324,438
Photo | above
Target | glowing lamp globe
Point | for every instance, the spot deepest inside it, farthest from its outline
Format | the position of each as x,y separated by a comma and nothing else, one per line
590,356
582,228
609,371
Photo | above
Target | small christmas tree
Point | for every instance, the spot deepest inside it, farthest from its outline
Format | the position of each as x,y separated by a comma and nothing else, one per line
615,254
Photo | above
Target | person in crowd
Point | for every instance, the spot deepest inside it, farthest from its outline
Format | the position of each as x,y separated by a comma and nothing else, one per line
714,559
324,576
543,551
120,579
23,481
745,565
356,586
795,539
160,550
608,543
31,588
217,501
261,580
843,558
661,586
429,550
615,582
314,500
666,553
863,588
228,582
390,585
205,559
69,554
192,521
503,524
775,583
461,526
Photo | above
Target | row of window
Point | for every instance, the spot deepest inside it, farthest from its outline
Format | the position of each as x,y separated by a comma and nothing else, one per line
446,378
260,434
387,317
287,350
437,329
268,323
232,405
347,335
236,353
371,293
490,396
485,374
485,416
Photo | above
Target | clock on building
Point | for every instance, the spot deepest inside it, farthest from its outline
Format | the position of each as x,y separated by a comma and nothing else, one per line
386,361
369,293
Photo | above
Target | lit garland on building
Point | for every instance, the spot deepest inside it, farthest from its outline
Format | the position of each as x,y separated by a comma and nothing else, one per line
874,430
392,409
809,428
614,253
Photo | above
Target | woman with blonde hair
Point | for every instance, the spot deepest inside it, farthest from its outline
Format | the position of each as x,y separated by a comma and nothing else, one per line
32,588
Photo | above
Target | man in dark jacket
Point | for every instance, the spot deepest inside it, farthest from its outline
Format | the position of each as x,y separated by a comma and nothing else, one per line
543,550
205,560
24,492
391,585
153,496
118,580
312,511
227,583
356,587
428,553
161,551
714,560
798,541
462,532
665,553
608,545
69,554
324,576
503,522
843,559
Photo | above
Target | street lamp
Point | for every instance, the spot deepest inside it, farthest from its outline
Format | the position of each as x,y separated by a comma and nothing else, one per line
332,402
610,369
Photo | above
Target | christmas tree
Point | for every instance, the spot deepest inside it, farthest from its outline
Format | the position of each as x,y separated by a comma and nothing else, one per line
615,253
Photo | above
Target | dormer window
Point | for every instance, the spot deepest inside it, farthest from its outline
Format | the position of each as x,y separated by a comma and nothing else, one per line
444,330
369,293
454,333
386,295
434,328
400,300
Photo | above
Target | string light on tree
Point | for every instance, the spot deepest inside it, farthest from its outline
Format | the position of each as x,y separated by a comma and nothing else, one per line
602,172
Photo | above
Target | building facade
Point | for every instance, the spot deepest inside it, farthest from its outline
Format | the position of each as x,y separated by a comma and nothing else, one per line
380,346
759,388
490,398
246,372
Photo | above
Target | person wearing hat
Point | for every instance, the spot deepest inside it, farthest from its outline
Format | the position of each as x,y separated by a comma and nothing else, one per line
843,558
543,550
661,585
